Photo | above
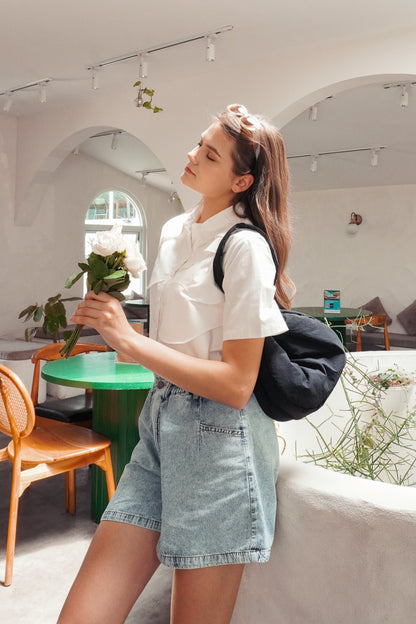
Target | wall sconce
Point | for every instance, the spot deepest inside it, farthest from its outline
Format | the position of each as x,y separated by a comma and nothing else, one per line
355,221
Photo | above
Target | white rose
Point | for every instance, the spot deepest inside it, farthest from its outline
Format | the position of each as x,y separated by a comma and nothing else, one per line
108,242
134,261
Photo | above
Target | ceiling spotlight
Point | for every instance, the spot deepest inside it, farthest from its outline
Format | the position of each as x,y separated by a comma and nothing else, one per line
8,102
114,140
404,98
210,48
42,92
143,67
374,157
94,78
173,197
314,164
313,112
355,221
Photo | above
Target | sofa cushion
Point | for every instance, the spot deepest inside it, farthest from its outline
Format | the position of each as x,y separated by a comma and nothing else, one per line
376,307
407,318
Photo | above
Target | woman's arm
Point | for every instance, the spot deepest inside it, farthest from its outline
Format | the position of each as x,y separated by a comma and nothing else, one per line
230,381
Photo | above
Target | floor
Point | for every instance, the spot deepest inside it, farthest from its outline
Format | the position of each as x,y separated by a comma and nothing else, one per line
49,550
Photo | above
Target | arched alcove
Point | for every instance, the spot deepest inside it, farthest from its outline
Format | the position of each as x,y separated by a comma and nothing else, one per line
357,131
353,118
116,147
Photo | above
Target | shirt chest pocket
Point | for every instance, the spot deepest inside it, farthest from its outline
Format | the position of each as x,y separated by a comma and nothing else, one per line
191,305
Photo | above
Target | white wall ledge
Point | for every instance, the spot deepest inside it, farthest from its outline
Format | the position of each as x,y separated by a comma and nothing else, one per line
344,552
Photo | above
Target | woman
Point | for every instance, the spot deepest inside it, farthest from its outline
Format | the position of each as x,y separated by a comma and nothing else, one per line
199,492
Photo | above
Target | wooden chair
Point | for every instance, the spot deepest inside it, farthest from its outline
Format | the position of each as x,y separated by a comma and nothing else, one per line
42,448
76,409
373,320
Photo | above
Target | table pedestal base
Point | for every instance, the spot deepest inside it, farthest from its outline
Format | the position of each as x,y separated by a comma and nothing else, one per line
115,414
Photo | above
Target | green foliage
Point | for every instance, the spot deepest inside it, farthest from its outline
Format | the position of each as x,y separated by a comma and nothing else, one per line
144,98
104,274
52,314
372,442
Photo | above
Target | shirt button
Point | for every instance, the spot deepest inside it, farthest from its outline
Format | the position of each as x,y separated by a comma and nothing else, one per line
160,384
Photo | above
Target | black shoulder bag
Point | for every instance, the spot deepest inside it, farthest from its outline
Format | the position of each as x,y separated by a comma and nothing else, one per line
300,367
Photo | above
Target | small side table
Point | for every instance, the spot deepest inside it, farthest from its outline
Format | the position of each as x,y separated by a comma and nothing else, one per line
119,393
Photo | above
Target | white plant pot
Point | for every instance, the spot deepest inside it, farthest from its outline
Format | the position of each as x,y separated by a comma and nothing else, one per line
398,400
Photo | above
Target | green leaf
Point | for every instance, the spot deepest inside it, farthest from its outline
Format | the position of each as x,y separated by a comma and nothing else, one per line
62,320
97,287
98,268
157,109
38,314
116,275
83,266
117,295
147,105
137,84
74,278
29,333
28,312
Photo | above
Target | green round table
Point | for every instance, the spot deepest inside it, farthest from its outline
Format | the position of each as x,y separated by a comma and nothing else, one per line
119,393
337,320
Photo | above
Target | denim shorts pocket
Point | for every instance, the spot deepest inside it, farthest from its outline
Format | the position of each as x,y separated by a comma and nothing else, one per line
207,428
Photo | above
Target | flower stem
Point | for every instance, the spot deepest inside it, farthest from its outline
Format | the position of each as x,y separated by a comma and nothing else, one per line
71,342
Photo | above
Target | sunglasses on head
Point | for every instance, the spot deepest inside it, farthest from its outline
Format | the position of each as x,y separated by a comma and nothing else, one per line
247,122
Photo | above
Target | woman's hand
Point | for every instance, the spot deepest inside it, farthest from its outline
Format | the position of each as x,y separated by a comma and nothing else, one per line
105,314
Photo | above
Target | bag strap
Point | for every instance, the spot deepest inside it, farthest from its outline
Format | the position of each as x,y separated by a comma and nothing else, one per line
218,258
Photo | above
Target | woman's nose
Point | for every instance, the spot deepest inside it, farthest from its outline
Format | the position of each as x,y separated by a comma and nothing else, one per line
192,154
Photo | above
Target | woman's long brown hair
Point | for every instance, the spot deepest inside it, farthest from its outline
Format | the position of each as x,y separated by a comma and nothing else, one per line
260,150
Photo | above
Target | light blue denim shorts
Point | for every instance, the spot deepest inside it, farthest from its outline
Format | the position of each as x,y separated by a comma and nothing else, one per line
204,476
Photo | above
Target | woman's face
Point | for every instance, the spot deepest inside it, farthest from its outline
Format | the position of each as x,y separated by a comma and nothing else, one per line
210,166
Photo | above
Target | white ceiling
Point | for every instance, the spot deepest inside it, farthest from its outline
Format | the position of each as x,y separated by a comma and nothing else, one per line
365,117
49,39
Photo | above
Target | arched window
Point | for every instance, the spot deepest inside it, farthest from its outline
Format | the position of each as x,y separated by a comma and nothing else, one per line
113,207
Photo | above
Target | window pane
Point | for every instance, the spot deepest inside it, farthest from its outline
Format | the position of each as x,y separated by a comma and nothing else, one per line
106,210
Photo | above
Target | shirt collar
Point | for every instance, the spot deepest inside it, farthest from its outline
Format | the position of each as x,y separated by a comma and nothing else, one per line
215,225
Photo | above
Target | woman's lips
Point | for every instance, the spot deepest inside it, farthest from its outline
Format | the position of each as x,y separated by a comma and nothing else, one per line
187,170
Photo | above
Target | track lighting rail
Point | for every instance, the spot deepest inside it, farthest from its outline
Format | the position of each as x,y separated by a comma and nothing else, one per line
158,48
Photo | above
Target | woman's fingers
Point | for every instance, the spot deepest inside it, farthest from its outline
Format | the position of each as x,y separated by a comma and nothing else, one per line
101,296
97,308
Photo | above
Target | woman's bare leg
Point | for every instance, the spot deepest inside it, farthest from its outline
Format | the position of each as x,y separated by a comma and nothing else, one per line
118,565
205,595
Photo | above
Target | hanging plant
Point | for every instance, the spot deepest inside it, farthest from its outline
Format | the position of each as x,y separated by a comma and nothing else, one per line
145,97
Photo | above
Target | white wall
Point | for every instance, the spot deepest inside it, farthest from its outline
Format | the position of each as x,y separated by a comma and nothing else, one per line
41,256
37,217
378,261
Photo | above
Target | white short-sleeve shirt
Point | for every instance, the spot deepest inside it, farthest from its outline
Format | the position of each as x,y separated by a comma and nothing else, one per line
187,310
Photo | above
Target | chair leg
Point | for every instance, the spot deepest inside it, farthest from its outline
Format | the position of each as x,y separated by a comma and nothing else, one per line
11,535
109,475
386,339
358,346
70,492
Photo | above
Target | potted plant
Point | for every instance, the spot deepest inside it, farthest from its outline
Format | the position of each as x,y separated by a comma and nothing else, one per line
373,439
52,314
395,389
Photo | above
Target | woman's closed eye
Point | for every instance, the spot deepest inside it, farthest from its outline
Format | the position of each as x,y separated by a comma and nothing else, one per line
208,154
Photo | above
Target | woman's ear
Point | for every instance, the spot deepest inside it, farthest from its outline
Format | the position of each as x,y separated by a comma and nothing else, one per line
242,183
